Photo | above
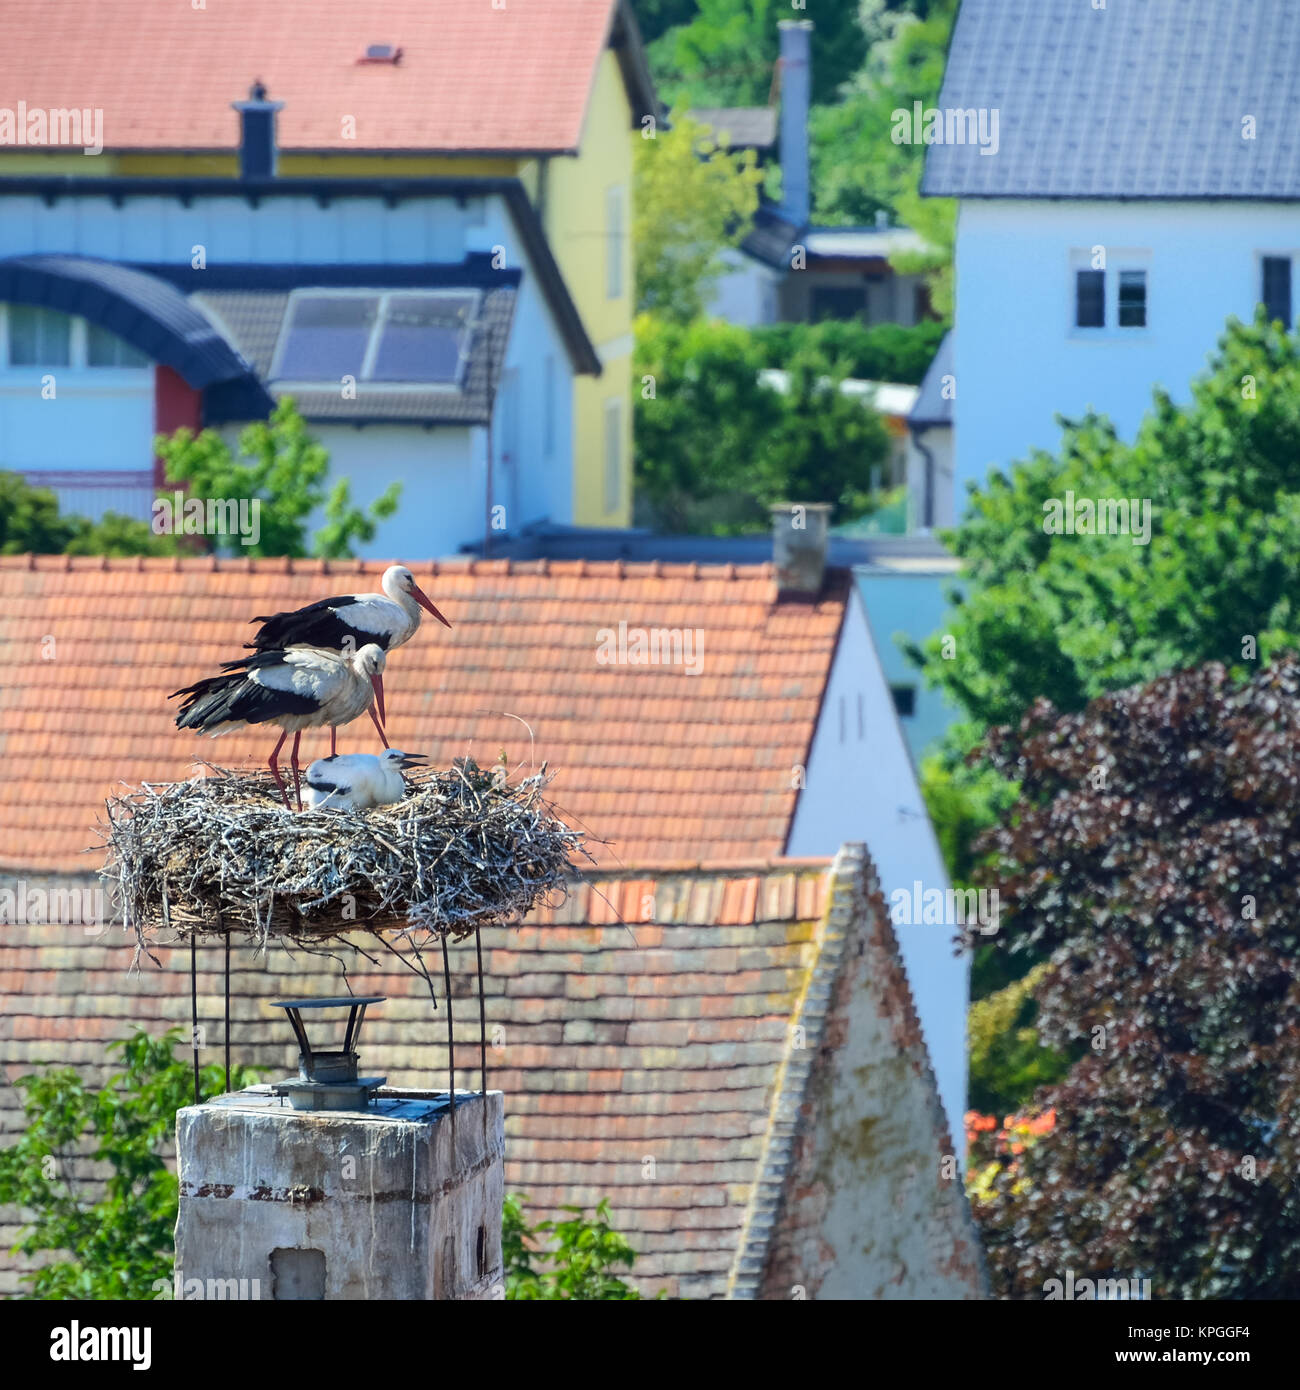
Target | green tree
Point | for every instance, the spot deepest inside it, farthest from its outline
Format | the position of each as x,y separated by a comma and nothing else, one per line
875,352
717,446
556,1260
726,54
30,520
693,200
278,463
1068,616
115,1242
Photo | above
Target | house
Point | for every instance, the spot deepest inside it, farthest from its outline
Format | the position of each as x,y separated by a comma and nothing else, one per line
788,270
1146,186
739,1070
354,122
929,462
691,712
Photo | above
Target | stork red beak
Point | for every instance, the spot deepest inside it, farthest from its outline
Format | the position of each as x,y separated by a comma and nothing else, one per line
423,600
378,686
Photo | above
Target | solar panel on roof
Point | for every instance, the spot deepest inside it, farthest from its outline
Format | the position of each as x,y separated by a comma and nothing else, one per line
326,337
423,338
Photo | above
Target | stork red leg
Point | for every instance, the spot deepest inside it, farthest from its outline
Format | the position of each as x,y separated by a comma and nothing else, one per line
380,727
275,768
334,733
293,763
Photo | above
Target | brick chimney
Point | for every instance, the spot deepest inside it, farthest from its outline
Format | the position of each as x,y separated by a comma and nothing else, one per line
796,97
799,540
257,150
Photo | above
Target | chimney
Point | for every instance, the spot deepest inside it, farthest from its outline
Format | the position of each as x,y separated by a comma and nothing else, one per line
331,1186
796,97
257,153
799,540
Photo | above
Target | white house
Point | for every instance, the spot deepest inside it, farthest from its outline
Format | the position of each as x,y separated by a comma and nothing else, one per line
422,325
1145,187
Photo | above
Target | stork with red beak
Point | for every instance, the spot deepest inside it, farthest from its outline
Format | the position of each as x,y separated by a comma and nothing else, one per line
352,620
294,690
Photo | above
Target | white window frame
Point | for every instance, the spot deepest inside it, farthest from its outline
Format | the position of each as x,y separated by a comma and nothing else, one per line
78,349
615,241
613,460
372,346
1118,260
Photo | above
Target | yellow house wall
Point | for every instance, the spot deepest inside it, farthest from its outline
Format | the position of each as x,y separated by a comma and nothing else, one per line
576,220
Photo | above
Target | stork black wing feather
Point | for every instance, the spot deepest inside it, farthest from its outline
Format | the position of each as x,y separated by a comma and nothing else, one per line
218,700
322,624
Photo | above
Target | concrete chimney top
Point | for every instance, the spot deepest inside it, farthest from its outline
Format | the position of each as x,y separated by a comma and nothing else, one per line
257,147
800,535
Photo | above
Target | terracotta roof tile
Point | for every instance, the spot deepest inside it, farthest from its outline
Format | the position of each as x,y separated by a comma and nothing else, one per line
471,76
665,765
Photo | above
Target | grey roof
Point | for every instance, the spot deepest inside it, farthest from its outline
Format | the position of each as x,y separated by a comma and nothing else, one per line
932,407
745,127
1143,99
252,320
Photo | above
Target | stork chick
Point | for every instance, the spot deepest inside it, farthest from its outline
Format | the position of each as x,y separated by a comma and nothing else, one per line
358,781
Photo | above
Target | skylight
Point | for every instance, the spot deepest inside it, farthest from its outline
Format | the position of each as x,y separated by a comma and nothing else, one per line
405,337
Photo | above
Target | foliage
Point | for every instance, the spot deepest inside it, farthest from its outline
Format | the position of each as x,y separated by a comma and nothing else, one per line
30,521
1008,1063
1152,859
716,446
993,1152
875,352
858,171
693,200
280,465
1070,616
726,54
120,1244
564,1259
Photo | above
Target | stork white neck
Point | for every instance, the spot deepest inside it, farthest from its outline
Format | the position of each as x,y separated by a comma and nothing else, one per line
392,587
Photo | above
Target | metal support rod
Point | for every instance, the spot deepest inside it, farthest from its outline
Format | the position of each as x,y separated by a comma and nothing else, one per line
194,1011
227,1013
451,1041
482,1033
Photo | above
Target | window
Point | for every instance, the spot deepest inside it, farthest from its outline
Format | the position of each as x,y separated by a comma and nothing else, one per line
401,338
36,337
1275,291
614,243
1090,299
838,302
548,407
1132,299
39,337
613,455
105,349
904,700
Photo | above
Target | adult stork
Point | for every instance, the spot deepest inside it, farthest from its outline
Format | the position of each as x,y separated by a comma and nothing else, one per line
351,620
295,690
358,781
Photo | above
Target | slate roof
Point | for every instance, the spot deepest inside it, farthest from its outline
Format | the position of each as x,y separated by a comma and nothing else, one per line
656,1064
471,77
666,765
932,407
1131,101
771,236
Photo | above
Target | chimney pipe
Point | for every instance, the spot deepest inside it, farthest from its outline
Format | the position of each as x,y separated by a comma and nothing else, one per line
800,534
257,152
796,97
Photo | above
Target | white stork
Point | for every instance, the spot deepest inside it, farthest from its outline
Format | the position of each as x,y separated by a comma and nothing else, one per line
358,781
294,690
344,623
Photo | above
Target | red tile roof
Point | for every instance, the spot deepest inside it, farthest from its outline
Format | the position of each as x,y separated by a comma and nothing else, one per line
656,1040
656,1064
667,766
472,76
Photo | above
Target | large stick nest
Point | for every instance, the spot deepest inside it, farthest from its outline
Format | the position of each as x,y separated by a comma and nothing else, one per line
464,849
